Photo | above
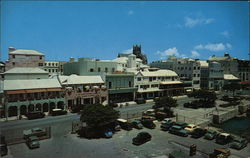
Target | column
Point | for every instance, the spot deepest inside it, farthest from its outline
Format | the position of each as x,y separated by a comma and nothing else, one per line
18,113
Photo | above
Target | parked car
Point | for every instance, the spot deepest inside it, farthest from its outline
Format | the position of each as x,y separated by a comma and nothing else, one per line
140,101
190,127
114,126
39,132
220,152
166,124
211,134
178,130
142,138
161,115
198,132
137,124
125,124
3,145
223,138
238,143
148,124
148,118
35,115
181,124
149,112
56,112
33,142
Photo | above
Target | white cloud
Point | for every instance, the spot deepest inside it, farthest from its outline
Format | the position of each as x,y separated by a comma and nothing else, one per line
170,52
192,22
130,12
194,54
128,51
214,46
225,34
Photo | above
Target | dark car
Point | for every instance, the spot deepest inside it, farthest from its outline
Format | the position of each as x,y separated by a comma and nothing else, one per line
166,124
125,124
141,138
210,134
148,124
137,124
3,145
181,124
56,112
238,143
140,101
178,130
35,115
198,132
223,138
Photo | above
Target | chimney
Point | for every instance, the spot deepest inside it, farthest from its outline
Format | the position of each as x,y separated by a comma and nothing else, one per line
11,49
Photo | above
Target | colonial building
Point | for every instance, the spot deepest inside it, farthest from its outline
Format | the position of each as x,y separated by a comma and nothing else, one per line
26,73
88,66
121,87
23,96
24,58
2,70
216,76
54,67
83,90
158,83
229,78
244,70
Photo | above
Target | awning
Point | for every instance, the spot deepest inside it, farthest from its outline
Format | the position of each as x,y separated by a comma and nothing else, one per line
149,90
35,90
171,82
53,89
16,92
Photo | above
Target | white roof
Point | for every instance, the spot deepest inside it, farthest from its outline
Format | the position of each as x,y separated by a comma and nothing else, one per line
230,77
31,84
26,52
122,60
158,73
26,70
75,79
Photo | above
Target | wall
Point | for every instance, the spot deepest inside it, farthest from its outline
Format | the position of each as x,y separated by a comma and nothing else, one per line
25,76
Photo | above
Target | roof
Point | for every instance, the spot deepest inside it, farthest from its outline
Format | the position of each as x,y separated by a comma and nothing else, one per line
158,73
218,58
25,52
75,79
149,90
230,77
31,84
122,60
26,70
171,82
203,63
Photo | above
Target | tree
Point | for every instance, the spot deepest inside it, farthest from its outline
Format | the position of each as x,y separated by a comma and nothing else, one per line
165,102
98,115
232,87
204,95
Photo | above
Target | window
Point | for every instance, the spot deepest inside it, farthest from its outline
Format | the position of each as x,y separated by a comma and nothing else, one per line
198,68
194,75
150,78
91,70
110,85
41,57
106,69
49,70
194,68
99,69
198,75
40,64
13,63
13,56
139,79
189,68
52,64
154,78
49,64
129,84
113,69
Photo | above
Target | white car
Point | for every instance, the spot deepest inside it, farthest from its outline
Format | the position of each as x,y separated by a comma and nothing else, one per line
190,127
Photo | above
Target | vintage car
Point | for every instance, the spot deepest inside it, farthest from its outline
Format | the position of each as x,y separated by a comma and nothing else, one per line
33,142
198,132
190,127
39,132
178,130
211,134
238,143
35,115
137,124
125,124
182,124
166,124
148,124
142,138
223,138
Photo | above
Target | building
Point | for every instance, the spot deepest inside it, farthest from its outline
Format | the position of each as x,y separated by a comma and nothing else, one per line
24,58
25,73
204,76
2,70
121,87
196,79
88,66
83,90
229,78
159,83
54,67
244,70
23,96
216,76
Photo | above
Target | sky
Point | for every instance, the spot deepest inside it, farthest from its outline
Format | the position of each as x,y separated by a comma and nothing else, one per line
64,29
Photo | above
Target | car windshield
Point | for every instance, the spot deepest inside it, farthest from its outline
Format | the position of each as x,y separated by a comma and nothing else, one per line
33,138
210,131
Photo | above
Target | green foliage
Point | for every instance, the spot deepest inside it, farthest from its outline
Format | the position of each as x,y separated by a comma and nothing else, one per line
204,95
232,87
165,102
98,115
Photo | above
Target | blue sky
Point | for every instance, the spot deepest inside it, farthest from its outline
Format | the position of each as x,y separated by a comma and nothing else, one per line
63,29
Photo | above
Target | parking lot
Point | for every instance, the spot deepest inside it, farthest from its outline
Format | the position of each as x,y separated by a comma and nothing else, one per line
64,144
